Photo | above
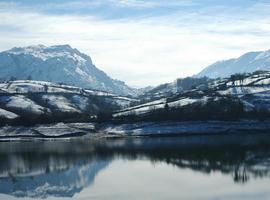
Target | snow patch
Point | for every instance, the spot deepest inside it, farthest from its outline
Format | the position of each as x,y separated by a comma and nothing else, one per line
59,102
8,115
20,102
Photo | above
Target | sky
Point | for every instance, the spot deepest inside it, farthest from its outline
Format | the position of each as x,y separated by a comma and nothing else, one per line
142,42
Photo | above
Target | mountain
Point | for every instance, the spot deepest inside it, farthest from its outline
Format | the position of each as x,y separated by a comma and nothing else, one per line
60,63
249,62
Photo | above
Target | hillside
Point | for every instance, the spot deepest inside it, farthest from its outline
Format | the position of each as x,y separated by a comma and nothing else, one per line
247,63
58,64
34,100
226,98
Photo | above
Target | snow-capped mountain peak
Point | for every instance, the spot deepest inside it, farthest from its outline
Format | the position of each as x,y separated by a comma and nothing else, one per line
58,63
247,63
44,53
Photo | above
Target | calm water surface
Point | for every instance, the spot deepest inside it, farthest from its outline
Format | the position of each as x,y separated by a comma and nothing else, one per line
205,167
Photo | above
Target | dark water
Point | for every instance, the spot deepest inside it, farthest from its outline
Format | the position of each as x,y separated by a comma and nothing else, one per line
205,167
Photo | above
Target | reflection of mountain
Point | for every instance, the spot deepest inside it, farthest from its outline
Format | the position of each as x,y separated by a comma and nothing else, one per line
63,168
63,182
42,174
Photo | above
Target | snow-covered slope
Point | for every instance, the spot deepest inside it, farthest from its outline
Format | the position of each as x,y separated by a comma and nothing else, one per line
253,90
7,115
249,62
25,98
159,104
179,85
57,64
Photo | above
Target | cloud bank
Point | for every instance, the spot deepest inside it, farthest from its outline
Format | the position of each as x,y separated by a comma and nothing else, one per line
141,42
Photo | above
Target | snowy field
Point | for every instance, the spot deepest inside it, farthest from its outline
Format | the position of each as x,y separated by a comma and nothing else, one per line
41,97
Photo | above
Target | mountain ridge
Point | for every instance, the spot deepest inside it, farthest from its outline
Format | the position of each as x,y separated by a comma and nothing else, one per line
58,63
246,63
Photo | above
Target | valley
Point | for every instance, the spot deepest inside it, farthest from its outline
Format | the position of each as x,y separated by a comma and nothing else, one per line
191,105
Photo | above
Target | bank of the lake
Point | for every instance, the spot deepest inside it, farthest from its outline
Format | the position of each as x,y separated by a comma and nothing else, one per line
151,129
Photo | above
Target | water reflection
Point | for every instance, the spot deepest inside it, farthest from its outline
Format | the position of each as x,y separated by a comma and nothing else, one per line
63,168
42,169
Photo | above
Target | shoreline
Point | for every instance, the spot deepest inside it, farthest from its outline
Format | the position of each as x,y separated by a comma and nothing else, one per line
142,129
186,128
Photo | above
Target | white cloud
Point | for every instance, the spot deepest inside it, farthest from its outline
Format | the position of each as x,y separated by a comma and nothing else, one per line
150,3
144,52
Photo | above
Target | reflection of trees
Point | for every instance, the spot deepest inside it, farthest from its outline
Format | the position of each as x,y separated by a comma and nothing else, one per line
242,162
60,163
235,162
240,174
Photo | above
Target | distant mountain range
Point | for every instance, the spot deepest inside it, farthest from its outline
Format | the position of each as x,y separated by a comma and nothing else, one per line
249,62
60,63
33,101
64,64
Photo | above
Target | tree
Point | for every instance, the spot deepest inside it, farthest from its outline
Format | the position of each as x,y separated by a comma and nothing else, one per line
45,88
166,107
233,79
12,78
103,116
29,78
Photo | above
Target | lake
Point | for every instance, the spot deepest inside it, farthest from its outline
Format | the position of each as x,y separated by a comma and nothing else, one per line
194,167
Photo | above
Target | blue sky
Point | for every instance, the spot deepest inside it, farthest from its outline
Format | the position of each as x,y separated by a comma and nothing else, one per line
115,9
141,42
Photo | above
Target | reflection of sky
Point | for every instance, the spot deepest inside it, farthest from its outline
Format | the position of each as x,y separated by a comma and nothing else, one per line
141,41
141,179
142,168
